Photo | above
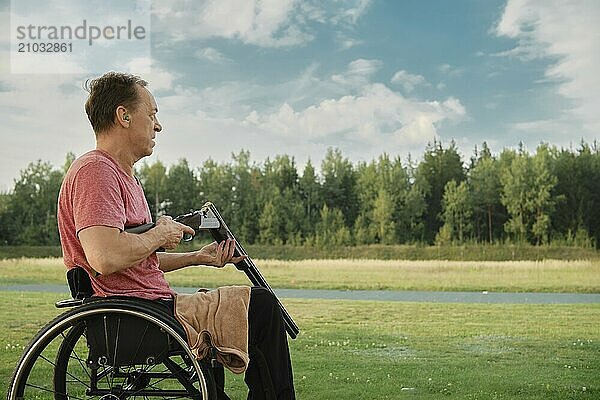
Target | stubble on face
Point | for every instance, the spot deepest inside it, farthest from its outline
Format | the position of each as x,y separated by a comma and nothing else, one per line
143,123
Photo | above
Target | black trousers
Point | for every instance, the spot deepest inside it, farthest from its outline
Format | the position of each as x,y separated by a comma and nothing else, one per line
269,374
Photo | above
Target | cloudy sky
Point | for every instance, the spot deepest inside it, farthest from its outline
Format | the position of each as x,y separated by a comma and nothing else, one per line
296,77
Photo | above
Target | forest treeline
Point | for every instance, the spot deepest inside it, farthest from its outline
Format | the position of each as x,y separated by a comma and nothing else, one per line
551,196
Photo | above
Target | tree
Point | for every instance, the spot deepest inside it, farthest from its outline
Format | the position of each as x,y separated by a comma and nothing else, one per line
331,230
293,213
578,208
411,224
339,185
216,185
544,198
515,190
270,225
485,185
4,217
367,184
456,211
69,158
32,206
383,210
527,194
181,189
310,195
153,178
363,230
245,206
439,166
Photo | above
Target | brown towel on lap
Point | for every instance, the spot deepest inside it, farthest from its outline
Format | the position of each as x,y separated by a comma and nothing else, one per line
217,318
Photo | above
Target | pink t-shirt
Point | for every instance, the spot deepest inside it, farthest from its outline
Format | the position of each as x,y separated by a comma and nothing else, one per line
97,191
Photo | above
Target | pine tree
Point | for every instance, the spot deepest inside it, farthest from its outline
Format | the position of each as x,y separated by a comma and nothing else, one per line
153,178
382,217
457,211
485,183
270,225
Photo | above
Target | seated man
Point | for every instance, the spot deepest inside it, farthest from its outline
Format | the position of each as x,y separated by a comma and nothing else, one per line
100,196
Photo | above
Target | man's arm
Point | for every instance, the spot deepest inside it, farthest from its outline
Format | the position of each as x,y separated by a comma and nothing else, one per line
109,250
214,255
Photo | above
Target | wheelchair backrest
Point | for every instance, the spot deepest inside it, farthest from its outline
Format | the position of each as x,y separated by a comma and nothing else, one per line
79,283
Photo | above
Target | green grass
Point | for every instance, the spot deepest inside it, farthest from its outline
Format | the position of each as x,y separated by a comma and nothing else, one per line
509,276
379,350
470,252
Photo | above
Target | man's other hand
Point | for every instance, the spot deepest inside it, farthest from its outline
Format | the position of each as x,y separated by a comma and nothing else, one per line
219,254
171,231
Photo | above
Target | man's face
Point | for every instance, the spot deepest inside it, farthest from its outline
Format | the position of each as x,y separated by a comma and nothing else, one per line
144,124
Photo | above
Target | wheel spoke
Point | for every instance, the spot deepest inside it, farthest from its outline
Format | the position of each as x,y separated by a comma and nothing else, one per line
52,391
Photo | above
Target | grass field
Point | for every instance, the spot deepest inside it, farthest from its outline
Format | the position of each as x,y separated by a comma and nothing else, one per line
378,350
506,276
381,350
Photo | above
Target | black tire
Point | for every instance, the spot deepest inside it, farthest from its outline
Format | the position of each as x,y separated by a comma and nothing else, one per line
55,364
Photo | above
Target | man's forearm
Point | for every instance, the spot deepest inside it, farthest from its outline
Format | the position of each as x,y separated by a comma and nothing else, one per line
174,261
108,250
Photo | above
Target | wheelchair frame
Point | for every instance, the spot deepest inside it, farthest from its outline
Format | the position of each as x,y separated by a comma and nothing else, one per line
54,346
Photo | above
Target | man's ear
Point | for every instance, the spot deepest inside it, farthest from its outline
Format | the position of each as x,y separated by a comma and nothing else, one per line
122,117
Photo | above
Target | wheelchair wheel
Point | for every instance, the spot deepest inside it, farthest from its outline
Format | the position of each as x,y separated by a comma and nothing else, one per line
91,353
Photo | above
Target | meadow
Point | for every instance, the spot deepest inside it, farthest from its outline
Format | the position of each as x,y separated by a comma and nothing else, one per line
380,350
581,276
391,350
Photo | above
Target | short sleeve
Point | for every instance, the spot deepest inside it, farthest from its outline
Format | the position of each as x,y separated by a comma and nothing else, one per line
97,197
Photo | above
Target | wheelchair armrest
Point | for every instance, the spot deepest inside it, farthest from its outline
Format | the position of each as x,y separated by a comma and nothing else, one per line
68,303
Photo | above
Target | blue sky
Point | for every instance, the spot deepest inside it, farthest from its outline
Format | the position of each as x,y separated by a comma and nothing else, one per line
296,77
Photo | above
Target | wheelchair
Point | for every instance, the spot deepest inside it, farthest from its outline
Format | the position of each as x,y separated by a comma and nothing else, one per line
110,348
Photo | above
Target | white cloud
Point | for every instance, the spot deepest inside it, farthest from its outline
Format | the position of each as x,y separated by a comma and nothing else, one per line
4,41
345,42
566,33
358,72
378,117
93,53
265,23
451,70
211,54
41,119
364,67
43,116
408,81
352,13
158,78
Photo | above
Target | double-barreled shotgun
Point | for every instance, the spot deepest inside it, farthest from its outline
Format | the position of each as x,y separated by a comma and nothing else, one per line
208,218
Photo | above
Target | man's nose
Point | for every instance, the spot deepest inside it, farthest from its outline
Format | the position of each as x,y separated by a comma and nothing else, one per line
157,126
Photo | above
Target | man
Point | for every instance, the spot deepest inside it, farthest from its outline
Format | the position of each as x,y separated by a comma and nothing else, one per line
100,196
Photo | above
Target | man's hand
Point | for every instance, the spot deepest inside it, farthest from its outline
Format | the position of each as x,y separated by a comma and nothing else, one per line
219,254
171,231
